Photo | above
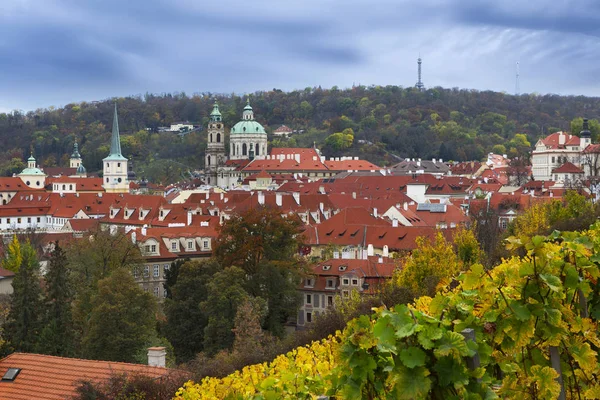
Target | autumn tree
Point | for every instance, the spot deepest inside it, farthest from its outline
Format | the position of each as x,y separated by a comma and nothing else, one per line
23,323
121,321
430,263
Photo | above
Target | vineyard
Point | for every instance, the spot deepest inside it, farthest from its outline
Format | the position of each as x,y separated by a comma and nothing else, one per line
526,329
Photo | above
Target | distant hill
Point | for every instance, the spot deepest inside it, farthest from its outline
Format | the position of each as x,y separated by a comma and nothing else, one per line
387,123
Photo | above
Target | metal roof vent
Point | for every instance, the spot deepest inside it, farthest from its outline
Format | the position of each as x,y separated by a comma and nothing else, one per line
11,374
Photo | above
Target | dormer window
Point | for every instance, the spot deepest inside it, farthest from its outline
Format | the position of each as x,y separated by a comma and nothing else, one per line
174,245
309,282
326,267
342,267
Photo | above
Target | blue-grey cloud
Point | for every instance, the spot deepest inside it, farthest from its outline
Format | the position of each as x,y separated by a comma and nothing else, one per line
60,51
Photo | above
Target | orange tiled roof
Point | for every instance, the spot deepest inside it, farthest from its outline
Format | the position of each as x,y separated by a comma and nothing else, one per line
567,168
55,378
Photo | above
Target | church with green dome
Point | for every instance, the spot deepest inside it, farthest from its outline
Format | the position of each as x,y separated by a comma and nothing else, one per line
248,138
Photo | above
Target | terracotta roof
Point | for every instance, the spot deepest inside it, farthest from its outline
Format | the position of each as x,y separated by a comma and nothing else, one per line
553,141
13,184
351,165
47,377
592,148
60,171
4,273
465,168
567,168
282,129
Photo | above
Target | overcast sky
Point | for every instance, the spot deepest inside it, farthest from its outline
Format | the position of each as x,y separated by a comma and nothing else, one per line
54,52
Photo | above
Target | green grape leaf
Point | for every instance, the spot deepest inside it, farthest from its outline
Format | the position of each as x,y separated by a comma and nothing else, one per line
428,334
554,316
413,357
520,310
411,383
451,343
526,268
472,278
553,282
385,335
402,321
451,372
585,356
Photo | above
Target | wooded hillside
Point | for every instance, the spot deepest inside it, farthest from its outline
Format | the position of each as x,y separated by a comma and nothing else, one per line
387,122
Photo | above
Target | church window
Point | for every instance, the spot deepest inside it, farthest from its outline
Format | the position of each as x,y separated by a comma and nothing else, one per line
210,137
27,183
244,129
38,183
244,149
218,126
106,180
64,187
218,138
119,165
119,180
257,153
107,166
208,160
70,187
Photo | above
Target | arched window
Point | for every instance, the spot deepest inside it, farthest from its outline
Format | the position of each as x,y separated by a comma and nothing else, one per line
106,180
244,129
218,126
210,137
218,138
64,187
256,151
207,160
244,149
237,149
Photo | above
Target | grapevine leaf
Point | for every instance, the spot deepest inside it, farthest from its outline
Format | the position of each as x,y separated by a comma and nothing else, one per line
402,322
411,383
537,241
585,356
451,343
413,357
553,282
554,316
267,383
571,277
472,278
521,311
545,378
428,334
385,335
526,269
593,392
451,372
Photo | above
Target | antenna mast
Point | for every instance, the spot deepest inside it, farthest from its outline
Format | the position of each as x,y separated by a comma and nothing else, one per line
517,88
419,84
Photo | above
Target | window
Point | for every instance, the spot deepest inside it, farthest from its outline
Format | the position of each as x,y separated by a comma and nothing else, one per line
355,282
38,219
119,180
8,220
330,283
27,183
146,271
136,273
156,272
166,268
156,291
28,220
330,301
119,165
64,187
147,248
345,293
346,281
190,245
164,293
70,187
173,245
553,160
106,180
309,282
19,220
308,317
205,244
153,248
309,299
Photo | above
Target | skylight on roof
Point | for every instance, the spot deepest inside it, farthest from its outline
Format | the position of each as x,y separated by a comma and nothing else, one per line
11,374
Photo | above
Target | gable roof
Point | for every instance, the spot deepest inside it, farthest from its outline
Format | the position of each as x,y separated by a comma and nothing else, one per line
567,168
553,141
49,377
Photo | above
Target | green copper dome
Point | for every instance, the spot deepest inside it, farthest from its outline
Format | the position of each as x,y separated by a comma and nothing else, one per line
249,126
31,158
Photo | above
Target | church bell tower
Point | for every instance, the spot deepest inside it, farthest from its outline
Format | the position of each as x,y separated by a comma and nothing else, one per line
215,149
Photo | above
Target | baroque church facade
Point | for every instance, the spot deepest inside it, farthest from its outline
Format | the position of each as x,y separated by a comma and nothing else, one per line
247,141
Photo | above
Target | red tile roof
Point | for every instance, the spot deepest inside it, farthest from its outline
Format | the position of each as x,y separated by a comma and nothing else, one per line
553,141
351,165
567,168
56,378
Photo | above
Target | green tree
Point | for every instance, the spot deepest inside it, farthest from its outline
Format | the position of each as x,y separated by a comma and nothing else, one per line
225,293
186,321
23,324
57,337
594,126
122,319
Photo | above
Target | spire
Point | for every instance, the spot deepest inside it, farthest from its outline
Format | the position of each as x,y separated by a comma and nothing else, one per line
585,132
75,153
248,114
215,115
115,144
31,159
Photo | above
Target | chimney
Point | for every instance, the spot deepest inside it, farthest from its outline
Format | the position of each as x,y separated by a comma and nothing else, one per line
370,250
133,238
405,206
261,198
297,158
278,199
354,195
386,251
380,260
394,223
207,195
561,138
296,197
144,230
375,212
157,357
336,254
189,217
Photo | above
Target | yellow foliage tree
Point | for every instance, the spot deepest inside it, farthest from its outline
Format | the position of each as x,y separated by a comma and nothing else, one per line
13,259
428,265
